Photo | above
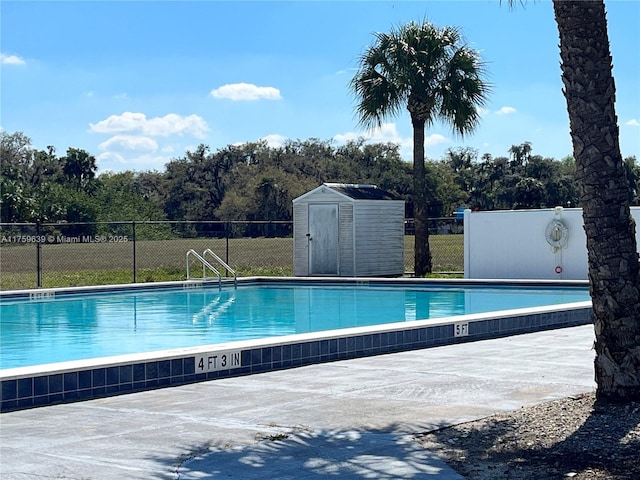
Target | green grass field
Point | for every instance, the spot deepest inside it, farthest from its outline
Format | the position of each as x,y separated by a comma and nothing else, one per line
83,264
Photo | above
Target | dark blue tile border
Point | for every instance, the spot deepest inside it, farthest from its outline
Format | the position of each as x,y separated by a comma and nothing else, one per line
71,386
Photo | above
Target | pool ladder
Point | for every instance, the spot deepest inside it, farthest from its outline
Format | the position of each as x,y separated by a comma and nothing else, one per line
207,265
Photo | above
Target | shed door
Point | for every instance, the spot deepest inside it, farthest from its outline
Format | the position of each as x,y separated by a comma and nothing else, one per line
323,239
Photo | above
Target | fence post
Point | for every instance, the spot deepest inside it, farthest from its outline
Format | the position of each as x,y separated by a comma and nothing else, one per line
226,234
133,225
38,256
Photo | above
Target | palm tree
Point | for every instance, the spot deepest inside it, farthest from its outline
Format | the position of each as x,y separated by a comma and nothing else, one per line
438,78
589,90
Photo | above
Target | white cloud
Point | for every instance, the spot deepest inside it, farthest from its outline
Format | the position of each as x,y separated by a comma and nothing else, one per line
110,158
171,124
388,133
346,137
435,139
117,162
246,91
11,59
506,111
633,123
127,122
274,140
135,141
129,142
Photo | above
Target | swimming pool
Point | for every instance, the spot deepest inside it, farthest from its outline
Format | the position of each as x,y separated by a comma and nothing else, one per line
83,326
70,344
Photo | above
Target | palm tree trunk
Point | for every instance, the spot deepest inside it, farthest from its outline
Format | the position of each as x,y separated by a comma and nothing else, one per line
609,227
420,210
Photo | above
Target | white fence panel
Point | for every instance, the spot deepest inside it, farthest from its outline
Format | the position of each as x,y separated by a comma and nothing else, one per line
523,244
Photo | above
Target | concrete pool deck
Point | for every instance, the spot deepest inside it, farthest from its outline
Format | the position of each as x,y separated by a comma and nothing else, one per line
350,419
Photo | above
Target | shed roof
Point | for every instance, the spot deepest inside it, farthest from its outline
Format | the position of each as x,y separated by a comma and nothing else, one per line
362,192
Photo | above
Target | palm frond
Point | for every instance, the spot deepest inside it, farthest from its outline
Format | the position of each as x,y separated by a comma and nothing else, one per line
466,91
428,70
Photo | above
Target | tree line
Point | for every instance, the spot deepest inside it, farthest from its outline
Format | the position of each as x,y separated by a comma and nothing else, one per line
254,181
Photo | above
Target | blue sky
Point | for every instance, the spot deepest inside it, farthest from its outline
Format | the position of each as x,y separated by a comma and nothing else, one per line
137,84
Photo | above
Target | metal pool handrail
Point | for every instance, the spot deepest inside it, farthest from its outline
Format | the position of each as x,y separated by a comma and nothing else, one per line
223,263
205,265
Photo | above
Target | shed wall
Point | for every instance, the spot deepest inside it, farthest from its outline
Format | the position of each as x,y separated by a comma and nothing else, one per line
346,240
300,242
379,238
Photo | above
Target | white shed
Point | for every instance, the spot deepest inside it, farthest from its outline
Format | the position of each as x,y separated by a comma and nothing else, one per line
348,230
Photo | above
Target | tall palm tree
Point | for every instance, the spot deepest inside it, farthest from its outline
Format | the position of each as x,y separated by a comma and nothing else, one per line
589,90
437,77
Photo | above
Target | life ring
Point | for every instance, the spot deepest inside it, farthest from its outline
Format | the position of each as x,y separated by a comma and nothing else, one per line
558,269
557,234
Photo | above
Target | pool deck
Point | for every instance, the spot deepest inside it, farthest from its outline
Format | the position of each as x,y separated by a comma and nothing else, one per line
349,419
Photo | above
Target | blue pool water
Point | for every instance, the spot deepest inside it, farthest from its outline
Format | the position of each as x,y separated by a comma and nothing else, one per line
74,327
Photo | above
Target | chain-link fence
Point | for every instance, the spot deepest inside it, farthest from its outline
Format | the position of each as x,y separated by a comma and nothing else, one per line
81,254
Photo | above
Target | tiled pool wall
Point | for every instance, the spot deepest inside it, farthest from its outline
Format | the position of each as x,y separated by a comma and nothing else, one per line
90,380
